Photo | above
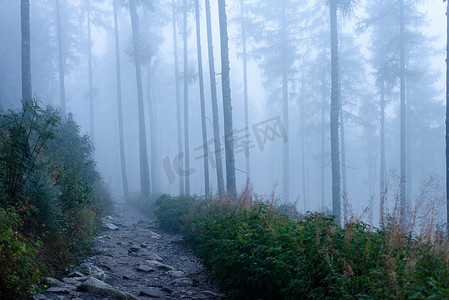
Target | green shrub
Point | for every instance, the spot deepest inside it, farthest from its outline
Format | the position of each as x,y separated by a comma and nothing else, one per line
255,251
48,176
19,271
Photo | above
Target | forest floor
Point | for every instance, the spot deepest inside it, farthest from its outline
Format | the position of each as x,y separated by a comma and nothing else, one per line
134,259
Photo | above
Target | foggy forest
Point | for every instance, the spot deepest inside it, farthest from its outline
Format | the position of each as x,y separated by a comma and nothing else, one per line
322,114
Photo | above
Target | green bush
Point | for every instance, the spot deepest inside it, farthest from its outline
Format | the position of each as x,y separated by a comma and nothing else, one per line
49,178
18,268
258,252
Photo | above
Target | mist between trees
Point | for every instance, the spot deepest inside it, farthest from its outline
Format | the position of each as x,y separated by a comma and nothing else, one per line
318,100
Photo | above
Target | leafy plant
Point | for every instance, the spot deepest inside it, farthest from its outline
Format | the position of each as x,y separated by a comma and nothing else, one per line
19,270
258,251
51,196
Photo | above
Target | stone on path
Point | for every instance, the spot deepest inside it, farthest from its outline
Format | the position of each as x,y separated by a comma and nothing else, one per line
51,281
153,256
95,286
110,226
177,274
150,293
89,269
143,268
156,264
145,254
60,290
183,280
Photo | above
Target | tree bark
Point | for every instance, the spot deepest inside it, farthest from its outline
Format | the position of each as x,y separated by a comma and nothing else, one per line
323,125
408,142
186,101
91,92
382,191
303,147
447,119
334,113
227,106
285,145
403,147
144,173
153,132
203,108
213,88
60,59
27,94
119,106
343,167
178,95
245,85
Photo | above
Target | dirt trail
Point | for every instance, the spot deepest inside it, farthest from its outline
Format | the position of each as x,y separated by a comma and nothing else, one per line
134,259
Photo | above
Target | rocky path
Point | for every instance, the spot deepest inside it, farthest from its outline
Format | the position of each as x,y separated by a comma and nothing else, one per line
133,259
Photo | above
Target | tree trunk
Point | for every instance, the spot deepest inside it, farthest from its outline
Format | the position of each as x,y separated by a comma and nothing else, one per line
213,89
303,146
245,86
447,119
285,145
178,96
144,174
227,106
119,106
343,168
382,148
153,132
91,92
403,196
408,144
334,113
203,108
186,100
27,94
60,59
323,125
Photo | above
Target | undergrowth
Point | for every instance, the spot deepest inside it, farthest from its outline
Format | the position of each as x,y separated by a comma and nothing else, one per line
51,197
257,251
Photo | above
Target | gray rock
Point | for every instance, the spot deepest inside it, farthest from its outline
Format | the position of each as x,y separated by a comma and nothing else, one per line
88,269
85,269
133,249
75,281
177,274
110,226
183,280
153,256
154,235
95,286
144,268
60,290
150,293
76,274
145,254
156,264
51,281
131,296
150,233
210,294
